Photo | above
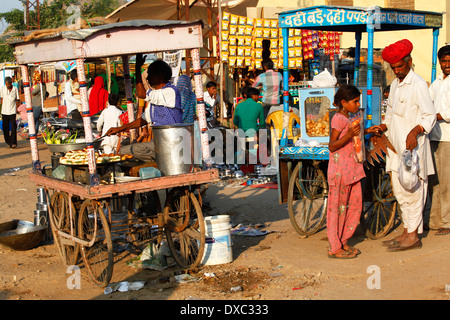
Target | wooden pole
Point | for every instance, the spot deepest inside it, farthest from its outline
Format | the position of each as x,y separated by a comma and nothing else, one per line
220,63
32,131
93,176
206,156
129,92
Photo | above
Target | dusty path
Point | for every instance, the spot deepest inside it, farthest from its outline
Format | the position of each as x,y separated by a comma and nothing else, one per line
278,266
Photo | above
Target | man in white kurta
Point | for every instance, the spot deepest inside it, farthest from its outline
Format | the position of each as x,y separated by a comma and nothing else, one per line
440,146
109,118
71,102
410,116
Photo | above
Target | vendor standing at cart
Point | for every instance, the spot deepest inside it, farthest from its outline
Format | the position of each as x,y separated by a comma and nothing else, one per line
410,117
163,107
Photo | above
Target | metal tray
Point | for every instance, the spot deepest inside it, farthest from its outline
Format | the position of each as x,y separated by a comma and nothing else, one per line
66,147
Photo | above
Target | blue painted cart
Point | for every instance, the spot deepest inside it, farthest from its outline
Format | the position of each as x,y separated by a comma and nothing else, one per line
302,170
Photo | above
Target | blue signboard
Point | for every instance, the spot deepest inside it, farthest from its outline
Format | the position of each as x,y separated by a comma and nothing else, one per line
323,16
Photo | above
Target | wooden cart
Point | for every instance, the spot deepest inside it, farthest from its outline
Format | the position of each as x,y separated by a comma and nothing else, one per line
79,215
303,169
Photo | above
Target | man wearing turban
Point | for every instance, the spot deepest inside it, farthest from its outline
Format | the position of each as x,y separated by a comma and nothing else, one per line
410,117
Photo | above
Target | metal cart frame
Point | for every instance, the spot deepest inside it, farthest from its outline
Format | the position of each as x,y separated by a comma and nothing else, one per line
302,170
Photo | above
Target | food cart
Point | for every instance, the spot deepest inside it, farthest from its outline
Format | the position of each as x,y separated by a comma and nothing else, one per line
80,214
303,169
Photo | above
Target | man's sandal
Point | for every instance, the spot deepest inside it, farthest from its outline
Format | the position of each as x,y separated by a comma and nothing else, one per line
342,254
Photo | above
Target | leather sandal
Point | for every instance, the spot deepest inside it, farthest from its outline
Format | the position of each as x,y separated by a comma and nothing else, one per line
342,254
353,250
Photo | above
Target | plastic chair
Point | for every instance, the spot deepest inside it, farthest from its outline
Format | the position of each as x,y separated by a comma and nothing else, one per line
275,120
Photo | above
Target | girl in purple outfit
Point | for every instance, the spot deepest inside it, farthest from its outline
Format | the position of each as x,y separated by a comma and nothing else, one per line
344,175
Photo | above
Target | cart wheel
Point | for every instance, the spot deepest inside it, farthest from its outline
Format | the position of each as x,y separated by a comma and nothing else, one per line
184,227
307,199
98,257
381,206
144,205
60,220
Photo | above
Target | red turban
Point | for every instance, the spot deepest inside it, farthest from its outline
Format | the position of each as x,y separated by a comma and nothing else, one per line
397,51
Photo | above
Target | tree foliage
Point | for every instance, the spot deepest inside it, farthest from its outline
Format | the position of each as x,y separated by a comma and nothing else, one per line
54,14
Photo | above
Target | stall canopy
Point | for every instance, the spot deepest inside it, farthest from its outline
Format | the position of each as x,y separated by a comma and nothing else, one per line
167,9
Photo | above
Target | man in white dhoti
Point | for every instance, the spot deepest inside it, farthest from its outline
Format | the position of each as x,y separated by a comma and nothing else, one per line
440,146
410,117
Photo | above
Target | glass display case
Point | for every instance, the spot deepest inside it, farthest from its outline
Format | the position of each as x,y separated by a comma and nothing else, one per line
316,107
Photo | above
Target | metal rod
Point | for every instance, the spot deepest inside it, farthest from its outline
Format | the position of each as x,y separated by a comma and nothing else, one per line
285,34
435,51
370,32
357,58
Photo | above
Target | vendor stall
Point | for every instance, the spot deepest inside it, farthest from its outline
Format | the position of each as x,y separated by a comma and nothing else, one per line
303,167
77,210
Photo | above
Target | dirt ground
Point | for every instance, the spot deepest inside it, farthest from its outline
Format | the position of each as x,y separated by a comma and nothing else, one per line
277,266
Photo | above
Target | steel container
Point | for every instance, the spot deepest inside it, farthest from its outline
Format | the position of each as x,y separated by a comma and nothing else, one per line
174,148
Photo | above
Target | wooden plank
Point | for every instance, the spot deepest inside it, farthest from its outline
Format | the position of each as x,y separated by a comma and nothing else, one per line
106,191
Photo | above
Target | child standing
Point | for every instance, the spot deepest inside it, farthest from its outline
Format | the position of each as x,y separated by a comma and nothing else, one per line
109,118
344,175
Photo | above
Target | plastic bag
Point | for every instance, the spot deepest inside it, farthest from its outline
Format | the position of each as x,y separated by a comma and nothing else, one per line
358,140
408,170
323,80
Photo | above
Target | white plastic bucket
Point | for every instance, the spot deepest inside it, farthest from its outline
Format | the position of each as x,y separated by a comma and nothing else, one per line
218,240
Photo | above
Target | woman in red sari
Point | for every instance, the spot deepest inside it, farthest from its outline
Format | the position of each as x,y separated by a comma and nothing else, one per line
98,97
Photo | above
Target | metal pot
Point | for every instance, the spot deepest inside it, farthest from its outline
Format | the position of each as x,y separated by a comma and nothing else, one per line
174,148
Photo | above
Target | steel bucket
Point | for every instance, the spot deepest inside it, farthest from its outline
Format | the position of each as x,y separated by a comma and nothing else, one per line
174,148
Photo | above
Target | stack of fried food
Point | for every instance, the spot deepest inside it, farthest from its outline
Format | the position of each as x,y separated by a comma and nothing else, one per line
80,157
319,128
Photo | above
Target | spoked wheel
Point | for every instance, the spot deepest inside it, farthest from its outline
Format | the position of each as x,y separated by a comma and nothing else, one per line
307,198
184,227
97,251
60,221
144,205
380,207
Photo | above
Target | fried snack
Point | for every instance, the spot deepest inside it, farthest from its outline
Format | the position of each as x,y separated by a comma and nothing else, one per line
319,128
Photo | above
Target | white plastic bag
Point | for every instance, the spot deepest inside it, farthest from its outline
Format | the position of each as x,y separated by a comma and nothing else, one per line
323,80
408,170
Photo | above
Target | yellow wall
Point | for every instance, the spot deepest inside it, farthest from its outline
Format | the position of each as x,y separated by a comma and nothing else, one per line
421,39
